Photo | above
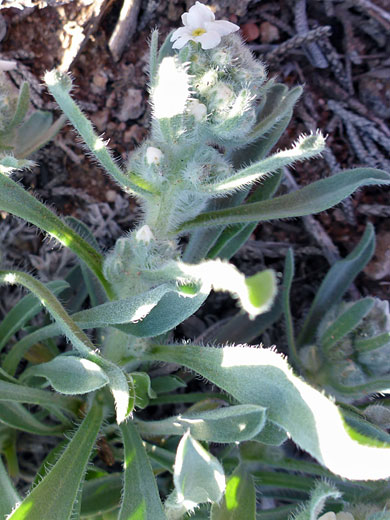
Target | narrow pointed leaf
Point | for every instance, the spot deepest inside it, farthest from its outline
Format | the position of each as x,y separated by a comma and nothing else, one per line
345,323
311,199
55,495
141,500
305,148
37,131
8,495
24,310
239,500
25,394
263,377
225,425
21,106
16,416
335,283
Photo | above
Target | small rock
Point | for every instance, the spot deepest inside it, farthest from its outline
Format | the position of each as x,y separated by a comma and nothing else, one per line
269,33
134,133
250,31
379,267
110,195
100,118
100,79
132,105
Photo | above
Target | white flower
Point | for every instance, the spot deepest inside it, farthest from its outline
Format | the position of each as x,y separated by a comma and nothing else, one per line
197,109
200,26
144,234
153,155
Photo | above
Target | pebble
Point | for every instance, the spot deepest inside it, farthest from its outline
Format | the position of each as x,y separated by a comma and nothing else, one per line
132,105
250,31
269,33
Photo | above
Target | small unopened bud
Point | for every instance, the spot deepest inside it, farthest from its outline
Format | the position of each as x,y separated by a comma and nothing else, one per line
222,93
153,155
197,109
144,234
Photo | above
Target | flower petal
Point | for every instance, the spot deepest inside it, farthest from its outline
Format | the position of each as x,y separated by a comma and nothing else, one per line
209,39
184,18
223,27
181,41
179,33
198,15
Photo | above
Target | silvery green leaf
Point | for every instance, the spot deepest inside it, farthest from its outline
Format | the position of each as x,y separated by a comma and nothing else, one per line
311,199
255,293
263,377
239,499
140,499
69,375
305,148
8,496
225,425
198,476
57,492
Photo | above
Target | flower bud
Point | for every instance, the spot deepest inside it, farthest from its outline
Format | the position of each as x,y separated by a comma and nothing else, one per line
153,155
197,109
144,234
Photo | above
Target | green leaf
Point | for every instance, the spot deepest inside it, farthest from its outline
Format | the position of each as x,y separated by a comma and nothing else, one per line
287,282
143,389
225,425
55,495
167,384
311,199
345,323
335,283
101,495
315,505
37,131
198,475
24,310
21,107
17,201
141,500
8,496
69,375
256,293
263,377
305,148
24,394
16,416
239,500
